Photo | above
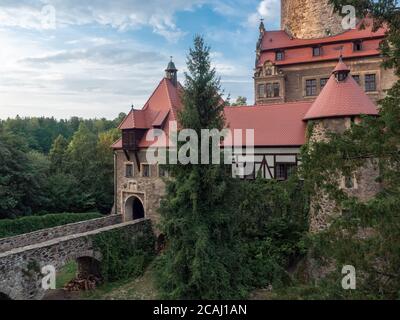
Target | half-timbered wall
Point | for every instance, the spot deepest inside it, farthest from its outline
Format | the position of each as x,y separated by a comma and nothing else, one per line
266,160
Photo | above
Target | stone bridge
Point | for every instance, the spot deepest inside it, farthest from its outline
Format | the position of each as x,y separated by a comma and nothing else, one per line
23,257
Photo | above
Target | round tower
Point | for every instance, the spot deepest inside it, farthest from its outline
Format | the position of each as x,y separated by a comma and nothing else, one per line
308,19
341,102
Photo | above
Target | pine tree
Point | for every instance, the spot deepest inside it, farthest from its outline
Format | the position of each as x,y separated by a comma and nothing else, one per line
57,154
202,259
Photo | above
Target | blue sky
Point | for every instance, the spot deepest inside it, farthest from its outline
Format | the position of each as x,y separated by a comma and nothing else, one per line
95,58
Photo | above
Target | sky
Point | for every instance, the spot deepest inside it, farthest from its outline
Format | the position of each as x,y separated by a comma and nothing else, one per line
96,58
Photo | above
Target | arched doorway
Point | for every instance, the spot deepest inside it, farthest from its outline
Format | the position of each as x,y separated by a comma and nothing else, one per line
88,266
134,209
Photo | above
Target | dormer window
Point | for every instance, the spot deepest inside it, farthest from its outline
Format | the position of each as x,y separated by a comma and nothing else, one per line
341,76
317,51
280,55
357,46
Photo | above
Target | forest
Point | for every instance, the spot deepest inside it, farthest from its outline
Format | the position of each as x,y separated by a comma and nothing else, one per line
53,166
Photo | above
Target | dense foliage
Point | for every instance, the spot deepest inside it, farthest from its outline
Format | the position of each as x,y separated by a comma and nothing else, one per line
273,223
367,236
125,254
49,165
14,227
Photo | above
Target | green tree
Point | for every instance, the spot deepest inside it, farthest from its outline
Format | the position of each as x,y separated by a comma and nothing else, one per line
104,182
202,259
21,177
81,157
58,153
240,101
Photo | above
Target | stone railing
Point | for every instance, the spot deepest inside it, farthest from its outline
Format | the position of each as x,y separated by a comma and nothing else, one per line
43,235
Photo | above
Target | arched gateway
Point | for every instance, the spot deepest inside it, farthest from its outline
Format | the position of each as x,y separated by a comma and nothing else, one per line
134,209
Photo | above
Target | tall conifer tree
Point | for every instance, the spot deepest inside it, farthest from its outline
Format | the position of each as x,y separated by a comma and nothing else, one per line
202,259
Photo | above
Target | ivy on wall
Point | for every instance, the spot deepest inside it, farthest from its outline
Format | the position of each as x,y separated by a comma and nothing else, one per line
125,254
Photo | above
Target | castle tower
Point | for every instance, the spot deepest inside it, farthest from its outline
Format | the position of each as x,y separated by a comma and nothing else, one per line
308,19
339,104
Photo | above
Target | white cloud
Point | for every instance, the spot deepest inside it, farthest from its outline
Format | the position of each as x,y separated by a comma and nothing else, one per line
119,14
267,9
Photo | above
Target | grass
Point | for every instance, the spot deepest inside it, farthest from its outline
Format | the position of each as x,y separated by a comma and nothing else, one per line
141,288
66,274
14,227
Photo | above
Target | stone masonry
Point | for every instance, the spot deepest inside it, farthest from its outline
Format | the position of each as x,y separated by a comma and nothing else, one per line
20,268
149,190
309,19
324,209
43,235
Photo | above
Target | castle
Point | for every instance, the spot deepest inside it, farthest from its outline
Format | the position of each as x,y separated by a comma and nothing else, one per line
297,79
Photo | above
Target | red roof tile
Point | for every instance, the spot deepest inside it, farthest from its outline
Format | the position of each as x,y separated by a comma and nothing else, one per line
273,40
344,98
341,66
300,50
274,125
164,100
117,144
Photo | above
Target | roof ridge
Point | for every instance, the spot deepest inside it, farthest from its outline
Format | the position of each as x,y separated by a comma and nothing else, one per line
272,104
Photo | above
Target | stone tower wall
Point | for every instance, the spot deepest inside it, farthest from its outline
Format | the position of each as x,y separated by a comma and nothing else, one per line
307,19
365,186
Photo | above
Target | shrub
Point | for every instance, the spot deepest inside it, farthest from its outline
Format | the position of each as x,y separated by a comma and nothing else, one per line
14,227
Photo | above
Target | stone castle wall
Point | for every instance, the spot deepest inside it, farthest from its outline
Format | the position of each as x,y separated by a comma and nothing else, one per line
307,19
39,236
149,190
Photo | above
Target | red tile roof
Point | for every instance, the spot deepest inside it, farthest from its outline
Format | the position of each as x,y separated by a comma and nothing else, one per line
273,40
300,50
274,125
344,98
163,102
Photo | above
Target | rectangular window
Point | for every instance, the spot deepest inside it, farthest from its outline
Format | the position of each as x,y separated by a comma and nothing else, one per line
357,46
323,82
162,172
280,56
277,90
370,82
356,77
261,90
284,170
311,87
129,170
146,172
269,90
317,51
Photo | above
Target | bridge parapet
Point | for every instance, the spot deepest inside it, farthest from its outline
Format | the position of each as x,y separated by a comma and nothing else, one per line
7,244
